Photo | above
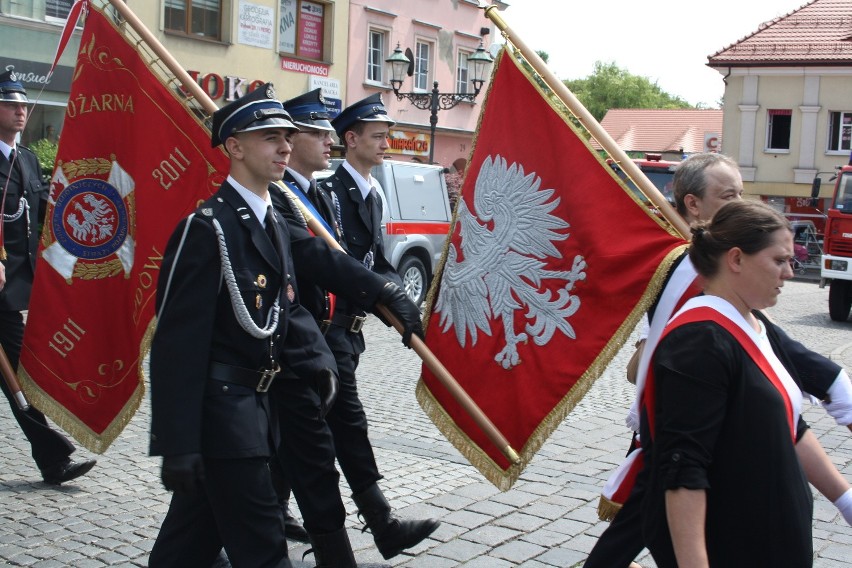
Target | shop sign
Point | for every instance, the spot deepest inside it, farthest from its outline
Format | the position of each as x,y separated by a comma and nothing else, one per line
408,143
229,87
33,76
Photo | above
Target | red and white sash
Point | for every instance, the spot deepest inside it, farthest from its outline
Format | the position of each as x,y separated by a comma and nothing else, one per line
702,308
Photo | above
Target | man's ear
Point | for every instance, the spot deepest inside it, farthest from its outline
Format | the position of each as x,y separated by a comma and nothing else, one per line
350,136
690,201
233,146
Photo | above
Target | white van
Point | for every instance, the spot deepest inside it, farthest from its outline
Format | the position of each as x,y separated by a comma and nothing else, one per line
415,220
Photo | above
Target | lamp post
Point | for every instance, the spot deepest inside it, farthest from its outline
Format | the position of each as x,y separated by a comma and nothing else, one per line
434,100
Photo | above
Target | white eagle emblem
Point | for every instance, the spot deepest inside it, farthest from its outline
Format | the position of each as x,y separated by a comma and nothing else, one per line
505,248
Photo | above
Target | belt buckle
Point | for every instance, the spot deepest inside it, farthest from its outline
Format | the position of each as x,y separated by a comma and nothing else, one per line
324,325
266,377
357,323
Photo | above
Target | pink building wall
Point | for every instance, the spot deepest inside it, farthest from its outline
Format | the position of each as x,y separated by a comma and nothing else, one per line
448,26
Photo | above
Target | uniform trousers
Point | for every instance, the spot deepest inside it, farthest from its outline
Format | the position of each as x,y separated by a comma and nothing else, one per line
306,457
236,508
49,447
309,445
348,424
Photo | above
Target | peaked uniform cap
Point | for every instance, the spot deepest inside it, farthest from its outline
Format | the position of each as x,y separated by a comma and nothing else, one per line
254,111
371,109
11,90
309,111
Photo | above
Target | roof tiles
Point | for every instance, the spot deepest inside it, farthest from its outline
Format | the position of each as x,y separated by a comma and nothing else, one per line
819,32
661,130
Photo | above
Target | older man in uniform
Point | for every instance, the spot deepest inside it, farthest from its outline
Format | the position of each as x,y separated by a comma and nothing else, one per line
308,450
24,197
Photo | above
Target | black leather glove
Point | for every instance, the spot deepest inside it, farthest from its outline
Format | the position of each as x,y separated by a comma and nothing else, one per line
184,473
401,306
326,385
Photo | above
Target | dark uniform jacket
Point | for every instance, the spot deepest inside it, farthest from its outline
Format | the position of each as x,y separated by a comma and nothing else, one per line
21,235
320,268
190,412
362,234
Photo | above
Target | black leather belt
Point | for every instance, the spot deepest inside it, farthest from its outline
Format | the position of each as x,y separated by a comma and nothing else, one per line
257,380
351,323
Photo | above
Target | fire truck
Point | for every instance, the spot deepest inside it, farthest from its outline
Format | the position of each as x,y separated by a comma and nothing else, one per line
836,261
659,171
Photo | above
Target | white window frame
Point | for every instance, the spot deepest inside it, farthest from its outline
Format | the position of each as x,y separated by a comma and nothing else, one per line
770,118
842,117
463,84
423,80
381,52
56,19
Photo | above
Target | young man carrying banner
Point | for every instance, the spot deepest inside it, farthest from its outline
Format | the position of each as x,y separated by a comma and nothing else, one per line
228,308
344,432
24,201
703,183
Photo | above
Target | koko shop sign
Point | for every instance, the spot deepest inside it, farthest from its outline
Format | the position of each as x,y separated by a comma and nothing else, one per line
228,87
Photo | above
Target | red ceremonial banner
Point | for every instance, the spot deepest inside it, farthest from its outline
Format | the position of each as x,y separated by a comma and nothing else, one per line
551,263
132,161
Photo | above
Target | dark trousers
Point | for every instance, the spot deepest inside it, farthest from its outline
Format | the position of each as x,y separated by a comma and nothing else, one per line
236,509
306,457
348,424
622,541
309,445
49,447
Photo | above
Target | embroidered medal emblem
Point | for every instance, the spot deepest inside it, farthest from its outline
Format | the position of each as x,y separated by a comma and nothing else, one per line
291,294
89,235
261,281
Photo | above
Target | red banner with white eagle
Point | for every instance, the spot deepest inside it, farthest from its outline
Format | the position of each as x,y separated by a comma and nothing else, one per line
551,263
132,161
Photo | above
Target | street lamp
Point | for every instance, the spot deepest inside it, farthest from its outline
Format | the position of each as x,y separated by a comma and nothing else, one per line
400,65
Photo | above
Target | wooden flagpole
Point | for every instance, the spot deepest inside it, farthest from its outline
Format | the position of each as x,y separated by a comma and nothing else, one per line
592,125
419,347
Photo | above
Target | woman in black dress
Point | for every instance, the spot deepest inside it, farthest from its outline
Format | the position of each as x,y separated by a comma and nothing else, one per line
721,414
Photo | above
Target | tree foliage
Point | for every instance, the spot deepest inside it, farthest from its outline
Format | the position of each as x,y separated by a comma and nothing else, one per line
610,86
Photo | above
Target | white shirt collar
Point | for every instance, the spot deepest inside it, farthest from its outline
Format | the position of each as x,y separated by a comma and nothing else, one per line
256,203
303,182
364,185
5,148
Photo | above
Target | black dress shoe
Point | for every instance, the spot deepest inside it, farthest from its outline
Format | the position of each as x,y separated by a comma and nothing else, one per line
66,471
292,529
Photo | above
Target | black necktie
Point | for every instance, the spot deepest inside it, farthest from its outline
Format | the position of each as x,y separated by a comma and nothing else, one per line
313,194
370,202
271,230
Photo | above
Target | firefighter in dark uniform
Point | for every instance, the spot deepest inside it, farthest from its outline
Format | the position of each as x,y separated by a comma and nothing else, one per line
228,311
308,449
24,198
363,129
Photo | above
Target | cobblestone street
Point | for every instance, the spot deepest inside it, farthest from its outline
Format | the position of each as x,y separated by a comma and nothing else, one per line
111,516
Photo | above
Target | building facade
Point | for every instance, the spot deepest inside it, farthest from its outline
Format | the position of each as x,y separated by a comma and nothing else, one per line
437,36
228,46
787,106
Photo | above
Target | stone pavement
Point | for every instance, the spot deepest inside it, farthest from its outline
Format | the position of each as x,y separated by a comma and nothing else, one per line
111,516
